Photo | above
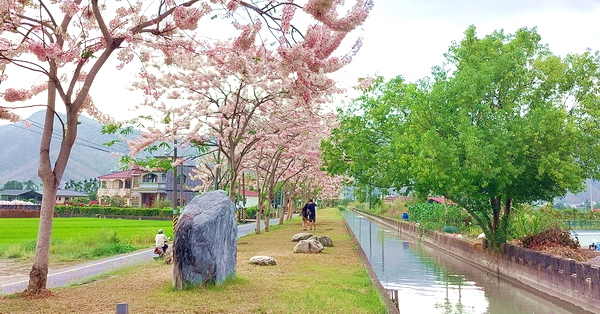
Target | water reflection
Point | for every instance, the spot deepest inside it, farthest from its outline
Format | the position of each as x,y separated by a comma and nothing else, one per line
430,281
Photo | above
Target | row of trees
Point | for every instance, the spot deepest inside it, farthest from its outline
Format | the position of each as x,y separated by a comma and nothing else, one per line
88,186
503,121
271,62
18,185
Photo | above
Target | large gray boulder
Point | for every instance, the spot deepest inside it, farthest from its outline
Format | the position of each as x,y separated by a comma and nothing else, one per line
205,243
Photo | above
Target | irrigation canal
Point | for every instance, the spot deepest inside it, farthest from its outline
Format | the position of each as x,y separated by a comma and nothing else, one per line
431,281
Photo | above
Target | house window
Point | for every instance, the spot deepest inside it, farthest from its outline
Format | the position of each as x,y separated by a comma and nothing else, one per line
181,179
150,178
128,184
103,184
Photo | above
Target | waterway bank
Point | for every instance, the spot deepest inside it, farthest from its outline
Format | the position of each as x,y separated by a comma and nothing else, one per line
563,279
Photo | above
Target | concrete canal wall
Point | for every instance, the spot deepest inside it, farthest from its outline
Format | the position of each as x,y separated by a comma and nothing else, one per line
575,282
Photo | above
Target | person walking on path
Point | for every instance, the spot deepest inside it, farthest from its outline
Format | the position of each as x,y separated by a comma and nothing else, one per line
312,215
305,213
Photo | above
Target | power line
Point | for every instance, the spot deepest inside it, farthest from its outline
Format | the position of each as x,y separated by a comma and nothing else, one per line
59,137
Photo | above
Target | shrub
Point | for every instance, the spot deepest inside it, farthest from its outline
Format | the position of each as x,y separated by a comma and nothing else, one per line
450,229
164,203
251,212
525,221
117,201
434,216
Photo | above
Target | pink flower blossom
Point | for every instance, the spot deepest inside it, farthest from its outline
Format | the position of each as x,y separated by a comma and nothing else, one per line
287,15
187,18
7,115
13,95
233,5
69,7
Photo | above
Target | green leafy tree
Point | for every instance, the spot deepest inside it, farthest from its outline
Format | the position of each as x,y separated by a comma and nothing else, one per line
13,185
30,185
503,122
89,186
363,146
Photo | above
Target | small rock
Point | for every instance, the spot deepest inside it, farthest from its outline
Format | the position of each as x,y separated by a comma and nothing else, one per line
325,240
301,236
308,246
262,260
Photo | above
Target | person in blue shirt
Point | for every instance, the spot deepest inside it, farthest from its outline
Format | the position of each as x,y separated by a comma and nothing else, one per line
312,215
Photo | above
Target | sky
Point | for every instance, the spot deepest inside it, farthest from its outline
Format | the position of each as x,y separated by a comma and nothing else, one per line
409,37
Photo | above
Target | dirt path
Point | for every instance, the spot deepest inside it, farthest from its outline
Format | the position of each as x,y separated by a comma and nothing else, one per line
14,270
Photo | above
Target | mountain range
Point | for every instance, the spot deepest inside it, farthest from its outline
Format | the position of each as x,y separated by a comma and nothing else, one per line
20,146
19,154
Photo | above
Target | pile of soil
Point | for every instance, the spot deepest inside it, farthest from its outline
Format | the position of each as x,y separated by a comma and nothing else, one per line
558,242
553,237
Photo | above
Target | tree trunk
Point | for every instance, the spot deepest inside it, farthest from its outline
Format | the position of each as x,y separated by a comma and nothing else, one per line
258,218
496,206
50,177
38,276
284,206
269,208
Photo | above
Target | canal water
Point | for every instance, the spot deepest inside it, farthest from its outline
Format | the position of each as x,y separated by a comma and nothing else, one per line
586,237
430,281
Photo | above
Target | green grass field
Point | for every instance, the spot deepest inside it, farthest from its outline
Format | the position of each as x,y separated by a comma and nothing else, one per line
79,238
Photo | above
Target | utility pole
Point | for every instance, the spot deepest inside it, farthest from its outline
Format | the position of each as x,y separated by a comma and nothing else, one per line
591,199
243,197
181,182
175,218
218,170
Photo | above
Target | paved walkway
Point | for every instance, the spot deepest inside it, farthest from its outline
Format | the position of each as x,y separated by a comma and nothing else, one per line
79,273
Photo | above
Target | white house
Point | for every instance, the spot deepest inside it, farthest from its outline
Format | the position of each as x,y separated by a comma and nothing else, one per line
251,199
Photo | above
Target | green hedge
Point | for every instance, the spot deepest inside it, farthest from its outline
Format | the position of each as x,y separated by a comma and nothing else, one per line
71,210
435,216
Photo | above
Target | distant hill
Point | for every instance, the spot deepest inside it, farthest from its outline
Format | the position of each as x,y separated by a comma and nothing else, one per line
19,150
580,198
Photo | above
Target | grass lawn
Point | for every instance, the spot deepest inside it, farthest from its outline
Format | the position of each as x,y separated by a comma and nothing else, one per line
79,238
334,281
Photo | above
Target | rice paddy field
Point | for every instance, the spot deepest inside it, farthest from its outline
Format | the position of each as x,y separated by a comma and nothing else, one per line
79,238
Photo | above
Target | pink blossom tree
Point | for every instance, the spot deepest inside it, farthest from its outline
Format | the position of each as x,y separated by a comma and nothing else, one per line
69,42
290,147
228,89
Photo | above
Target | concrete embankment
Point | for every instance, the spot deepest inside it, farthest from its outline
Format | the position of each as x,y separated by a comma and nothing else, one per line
568,280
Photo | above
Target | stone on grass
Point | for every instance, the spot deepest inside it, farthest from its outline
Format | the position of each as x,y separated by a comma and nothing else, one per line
262,260
205,242
325,240
301,236
308,246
